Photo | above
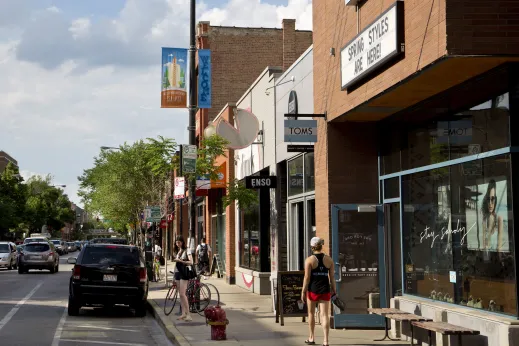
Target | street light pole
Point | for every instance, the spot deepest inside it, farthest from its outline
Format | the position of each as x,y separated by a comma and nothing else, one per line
192,114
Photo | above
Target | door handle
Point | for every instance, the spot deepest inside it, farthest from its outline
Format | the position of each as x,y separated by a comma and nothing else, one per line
339,272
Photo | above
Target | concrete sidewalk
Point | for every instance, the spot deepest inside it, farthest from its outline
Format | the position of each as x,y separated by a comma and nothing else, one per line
251,322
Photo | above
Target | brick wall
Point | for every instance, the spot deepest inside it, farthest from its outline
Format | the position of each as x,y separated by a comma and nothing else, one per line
345,170
482,27
239,55
335,24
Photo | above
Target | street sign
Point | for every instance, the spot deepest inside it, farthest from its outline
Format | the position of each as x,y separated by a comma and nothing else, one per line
154,214
260,182
189,159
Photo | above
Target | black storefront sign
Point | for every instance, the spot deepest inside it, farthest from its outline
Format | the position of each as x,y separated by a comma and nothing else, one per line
261,182
300,148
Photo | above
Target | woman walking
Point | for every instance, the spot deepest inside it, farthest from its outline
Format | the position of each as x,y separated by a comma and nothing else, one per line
183,258
318,287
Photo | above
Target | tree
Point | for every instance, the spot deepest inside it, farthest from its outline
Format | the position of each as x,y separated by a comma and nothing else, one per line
46,206
122,183
13,196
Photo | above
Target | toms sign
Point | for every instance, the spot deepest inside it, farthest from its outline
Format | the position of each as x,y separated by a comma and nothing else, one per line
259,182
378,43
300,131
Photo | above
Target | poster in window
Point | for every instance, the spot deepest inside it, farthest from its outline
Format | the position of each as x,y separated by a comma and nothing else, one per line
487,216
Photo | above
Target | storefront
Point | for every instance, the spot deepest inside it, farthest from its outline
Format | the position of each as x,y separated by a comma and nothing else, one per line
256,225
294,95
431,120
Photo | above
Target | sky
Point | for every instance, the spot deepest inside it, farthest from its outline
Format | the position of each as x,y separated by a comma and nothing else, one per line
77,75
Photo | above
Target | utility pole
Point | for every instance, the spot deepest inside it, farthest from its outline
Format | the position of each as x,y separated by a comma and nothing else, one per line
192,114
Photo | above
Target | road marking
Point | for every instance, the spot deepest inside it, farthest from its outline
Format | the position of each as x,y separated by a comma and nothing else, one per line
14,310
100,342
59,329
108,328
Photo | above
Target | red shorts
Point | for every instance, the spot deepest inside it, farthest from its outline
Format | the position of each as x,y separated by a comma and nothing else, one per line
316,297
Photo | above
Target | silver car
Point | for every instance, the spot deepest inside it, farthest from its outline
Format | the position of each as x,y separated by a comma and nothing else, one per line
40,255
7,255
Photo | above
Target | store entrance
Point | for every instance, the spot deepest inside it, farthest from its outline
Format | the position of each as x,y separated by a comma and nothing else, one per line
359,256
301,229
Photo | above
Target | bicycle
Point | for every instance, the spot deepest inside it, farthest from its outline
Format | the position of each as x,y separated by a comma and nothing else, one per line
198,296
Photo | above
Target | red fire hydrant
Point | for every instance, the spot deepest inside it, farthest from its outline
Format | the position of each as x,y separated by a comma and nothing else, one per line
215,317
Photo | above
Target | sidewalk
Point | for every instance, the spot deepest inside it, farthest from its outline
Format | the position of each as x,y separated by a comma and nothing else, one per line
251,322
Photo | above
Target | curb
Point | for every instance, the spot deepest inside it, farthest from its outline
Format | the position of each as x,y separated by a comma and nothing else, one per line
169,327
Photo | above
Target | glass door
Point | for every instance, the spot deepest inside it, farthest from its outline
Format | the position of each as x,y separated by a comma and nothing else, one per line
359,256
296,241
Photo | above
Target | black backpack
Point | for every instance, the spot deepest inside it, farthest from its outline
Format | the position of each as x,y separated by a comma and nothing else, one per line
203,255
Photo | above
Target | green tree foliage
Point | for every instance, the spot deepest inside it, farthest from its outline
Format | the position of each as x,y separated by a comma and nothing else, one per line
13,196
123,182
46,206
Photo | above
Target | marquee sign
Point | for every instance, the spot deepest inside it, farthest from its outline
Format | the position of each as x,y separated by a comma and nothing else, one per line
380,42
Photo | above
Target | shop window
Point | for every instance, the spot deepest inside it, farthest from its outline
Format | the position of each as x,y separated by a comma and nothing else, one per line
458,235
309,172
391,188
460,122
295,176
250,239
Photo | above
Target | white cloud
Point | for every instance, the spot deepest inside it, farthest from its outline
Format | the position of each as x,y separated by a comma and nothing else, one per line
70,85
27,174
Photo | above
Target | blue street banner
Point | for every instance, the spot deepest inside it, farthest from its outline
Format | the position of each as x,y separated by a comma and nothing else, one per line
174,78
204,78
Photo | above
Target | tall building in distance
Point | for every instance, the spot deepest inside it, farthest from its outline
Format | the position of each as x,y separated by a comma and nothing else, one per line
5,158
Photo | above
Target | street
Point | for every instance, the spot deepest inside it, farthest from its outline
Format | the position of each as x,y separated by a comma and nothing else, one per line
33,311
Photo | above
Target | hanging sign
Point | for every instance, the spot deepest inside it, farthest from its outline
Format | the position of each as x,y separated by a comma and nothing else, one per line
180,188
174,73
260,182
204,78
380,42
301,131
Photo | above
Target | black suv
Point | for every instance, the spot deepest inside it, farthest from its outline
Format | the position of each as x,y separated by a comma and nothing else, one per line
108,274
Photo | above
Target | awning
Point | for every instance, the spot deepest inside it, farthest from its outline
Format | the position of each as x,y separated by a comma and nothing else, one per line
444,74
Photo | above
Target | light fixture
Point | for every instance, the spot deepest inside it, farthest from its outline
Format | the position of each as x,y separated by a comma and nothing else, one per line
332,51
209,131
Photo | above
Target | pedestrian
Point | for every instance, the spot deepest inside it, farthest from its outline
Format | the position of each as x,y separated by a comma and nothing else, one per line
318,288
183,258
203,255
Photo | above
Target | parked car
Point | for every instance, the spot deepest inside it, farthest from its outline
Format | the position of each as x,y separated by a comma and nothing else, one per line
19,249
58,245
71,246
7,255
64,246
108,274
41,255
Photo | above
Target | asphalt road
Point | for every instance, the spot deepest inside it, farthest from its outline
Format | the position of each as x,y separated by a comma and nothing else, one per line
33,311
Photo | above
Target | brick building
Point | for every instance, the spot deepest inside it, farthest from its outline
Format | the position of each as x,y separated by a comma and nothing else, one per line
5,158
415,162
238,57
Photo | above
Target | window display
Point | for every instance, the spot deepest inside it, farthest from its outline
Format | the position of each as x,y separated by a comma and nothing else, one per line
249,242
458,235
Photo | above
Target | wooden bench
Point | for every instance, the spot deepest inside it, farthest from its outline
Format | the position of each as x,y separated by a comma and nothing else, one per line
384,312
443,328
